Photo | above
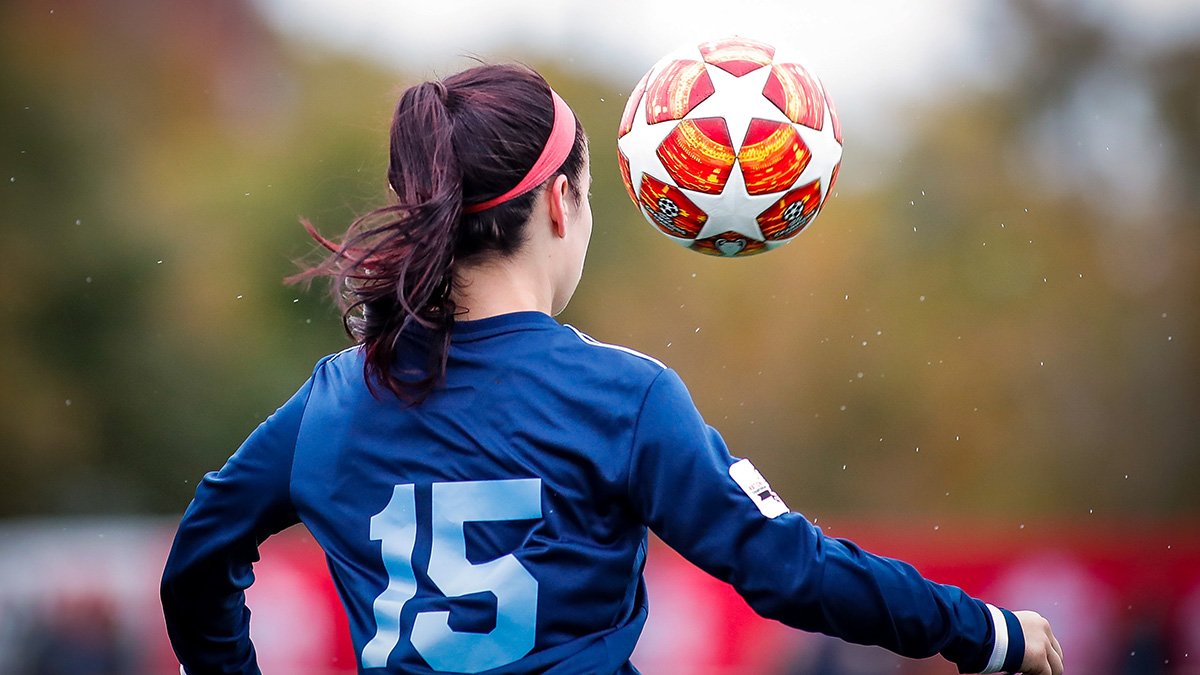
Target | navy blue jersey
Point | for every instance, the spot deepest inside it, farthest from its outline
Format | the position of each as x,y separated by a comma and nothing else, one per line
501,524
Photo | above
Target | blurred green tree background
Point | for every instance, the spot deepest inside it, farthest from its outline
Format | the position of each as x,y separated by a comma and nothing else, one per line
1000,321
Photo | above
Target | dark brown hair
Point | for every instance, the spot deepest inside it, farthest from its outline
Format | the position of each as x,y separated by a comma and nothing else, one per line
461,140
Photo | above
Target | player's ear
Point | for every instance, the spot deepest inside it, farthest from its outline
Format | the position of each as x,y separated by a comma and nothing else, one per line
556,201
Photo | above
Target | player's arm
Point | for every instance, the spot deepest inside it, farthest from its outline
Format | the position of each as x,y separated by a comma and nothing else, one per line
209,566
786,569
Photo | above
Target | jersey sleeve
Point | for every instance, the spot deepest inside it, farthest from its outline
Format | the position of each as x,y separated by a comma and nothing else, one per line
718,513
210,564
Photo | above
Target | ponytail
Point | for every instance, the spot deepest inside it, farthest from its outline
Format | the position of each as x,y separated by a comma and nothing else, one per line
395,262
394,268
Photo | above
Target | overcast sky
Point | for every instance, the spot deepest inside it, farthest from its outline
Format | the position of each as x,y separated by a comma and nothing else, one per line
865,50
872,55
877,57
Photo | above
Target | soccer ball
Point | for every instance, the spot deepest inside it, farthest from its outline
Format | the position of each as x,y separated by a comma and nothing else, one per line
729,148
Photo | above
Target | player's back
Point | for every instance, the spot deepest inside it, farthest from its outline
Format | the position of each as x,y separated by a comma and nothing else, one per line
489,526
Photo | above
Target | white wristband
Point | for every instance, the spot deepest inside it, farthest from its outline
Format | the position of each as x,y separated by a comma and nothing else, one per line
1000,648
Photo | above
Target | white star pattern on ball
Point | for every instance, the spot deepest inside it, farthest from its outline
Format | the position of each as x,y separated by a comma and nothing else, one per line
738,101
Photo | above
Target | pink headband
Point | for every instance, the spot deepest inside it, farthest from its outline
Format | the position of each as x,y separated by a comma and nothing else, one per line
558,146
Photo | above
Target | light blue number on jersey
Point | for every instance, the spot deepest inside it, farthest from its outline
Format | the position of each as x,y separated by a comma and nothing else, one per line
455,504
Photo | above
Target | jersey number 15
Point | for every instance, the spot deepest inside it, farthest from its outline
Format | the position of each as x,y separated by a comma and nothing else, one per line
455,504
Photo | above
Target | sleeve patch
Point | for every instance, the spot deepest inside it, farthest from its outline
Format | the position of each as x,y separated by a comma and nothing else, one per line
756,488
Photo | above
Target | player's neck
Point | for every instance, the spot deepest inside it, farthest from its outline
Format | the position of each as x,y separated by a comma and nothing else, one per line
496,288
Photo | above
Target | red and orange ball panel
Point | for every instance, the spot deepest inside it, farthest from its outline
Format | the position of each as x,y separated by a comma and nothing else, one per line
788,216
772,156
837,125
623,164
737,56
631,106
678,88
796,94
669,209
698,154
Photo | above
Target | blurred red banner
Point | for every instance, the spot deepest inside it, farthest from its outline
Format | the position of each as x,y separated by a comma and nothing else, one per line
1124,597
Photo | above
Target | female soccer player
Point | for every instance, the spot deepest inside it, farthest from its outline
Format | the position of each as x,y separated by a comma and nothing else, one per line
481,478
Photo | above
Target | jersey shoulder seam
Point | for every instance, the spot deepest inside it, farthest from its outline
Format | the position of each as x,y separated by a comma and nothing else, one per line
593,342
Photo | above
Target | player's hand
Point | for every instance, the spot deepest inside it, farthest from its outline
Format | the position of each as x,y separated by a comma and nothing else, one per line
1043,654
